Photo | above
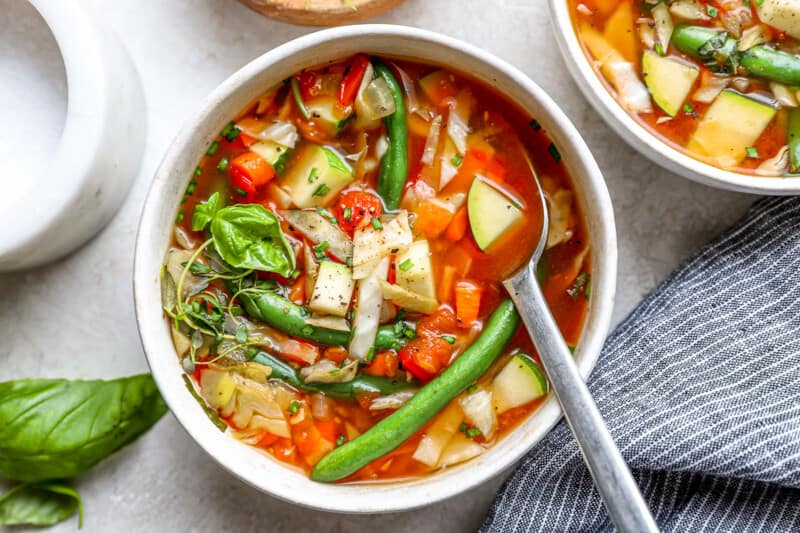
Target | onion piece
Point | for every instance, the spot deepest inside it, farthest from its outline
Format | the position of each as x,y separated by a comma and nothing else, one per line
410,90
479,411
391,401
785,96
777,165
368,311
664,26
282,132
438,434
710,88
191,284
407,299
326,371
560,209
319,229
432,142
632,92
328,322
647,33
322,407
457,128
370,245
751,37
460,449
688,10
377,100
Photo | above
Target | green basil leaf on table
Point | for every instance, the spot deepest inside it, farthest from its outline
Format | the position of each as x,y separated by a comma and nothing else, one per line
204,212
250,237
56,428
40,504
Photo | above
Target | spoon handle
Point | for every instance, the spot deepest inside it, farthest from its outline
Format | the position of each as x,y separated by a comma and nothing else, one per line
623,501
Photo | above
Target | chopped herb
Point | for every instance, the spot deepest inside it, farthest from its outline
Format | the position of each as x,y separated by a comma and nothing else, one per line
746,3
240,192
191,187
457,159
230,132
320,249
197,268
295,274
340,440
349,261
313,175
554,152
179,218
213,148
406,265
463,427
250,352
197,171
712,11
334,372
588,291
752,152
401,314
223,164
759,2
535,125
241,334
371,354
376,223
449,339
294,407
330,218
579,285
659,49
688,108
347,214
322,190
472,388
471,433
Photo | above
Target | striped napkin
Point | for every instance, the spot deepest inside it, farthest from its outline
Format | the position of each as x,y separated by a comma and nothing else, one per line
700,388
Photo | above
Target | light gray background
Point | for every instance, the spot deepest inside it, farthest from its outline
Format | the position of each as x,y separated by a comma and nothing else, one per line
75,318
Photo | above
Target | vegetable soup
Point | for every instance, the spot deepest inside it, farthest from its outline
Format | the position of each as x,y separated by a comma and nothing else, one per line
717,79
334,285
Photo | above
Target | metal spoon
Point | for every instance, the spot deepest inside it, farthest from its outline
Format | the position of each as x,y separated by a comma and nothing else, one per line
613,480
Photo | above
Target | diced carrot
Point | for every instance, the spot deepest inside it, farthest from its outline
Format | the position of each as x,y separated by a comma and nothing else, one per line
328,429
297,292
468,303
337,354
384,364
308,438
284,449
460,259
603,6
478,156
445,289
432,219
417,125
246,139
438,86
458,226
496,170
252,166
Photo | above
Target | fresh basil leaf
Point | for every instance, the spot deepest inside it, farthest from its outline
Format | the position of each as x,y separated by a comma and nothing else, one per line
249,236
56,428
40,504
204,213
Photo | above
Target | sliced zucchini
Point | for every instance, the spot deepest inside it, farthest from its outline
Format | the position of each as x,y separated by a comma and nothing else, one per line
414,271
733,123
521,381
669,80
491,212
316,175
273,153
325,113
333,289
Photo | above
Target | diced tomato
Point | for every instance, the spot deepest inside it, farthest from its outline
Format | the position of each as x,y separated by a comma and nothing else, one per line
468,303
384,364
299,351
439,323
424,357
328,429
243,186
267,439
356,209
352,80
392,277
310,443
432,219
310,84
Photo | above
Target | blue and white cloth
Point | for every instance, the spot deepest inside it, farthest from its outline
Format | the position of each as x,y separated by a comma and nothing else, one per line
700,388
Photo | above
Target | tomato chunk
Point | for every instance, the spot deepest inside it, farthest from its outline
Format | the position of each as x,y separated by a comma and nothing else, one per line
425,357
248,173
356,209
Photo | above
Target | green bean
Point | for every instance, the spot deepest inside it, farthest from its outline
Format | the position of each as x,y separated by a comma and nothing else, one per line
362,384
393,430
298,98
394,167
794,140
280,313
716,48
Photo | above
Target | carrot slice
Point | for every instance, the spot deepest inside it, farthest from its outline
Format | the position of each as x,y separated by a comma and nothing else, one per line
468,303
254,167
458,226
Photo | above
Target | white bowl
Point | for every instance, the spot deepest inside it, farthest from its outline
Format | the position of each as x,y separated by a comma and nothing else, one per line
639,137
257,468
99,152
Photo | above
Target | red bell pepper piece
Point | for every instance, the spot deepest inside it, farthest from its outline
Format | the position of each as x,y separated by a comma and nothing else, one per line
352,80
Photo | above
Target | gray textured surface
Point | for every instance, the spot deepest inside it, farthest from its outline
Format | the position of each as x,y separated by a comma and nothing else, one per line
75,318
